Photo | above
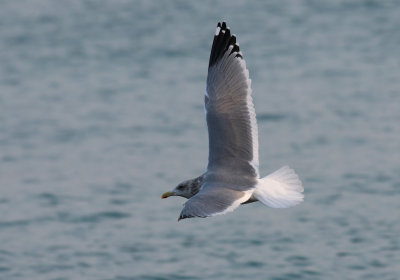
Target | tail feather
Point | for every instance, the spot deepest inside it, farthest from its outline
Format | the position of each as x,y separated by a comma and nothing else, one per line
281,189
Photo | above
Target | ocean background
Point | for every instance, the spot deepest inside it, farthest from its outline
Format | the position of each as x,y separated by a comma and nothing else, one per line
101,111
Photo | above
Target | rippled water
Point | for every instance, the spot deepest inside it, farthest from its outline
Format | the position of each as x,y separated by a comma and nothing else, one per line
101,111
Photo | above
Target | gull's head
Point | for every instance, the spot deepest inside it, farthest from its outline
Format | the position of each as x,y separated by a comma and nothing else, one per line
187,188
183,189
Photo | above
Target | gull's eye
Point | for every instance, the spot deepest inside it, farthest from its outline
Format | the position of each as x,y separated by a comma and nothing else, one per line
180,188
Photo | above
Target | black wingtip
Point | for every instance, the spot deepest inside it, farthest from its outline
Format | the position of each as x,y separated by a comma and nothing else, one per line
182,217
222,41
235,49
232,40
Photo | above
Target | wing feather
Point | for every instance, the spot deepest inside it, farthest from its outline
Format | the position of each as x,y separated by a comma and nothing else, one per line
211,201
231,118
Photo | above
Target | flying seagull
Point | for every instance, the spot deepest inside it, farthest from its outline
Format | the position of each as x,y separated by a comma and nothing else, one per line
232,177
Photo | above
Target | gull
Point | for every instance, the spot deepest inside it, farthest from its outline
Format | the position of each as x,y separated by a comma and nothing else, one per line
232,176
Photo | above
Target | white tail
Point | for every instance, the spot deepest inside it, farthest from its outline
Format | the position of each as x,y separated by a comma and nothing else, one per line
281,189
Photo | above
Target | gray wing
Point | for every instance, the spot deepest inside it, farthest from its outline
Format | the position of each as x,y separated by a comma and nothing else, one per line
232,169
213,200
231,118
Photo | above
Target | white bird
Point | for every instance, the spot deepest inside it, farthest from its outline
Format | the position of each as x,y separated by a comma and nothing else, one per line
232,177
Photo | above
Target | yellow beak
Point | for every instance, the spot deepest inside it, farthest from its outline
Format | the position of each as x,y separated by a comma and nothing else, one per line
167,194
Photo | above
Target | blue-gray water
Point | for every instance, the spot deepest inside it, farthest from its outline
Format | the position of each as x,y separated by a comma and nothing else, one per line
101,112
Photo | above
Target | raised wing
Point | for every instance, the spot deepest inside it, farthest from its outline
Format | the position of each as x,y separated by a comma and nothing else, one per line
231,118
